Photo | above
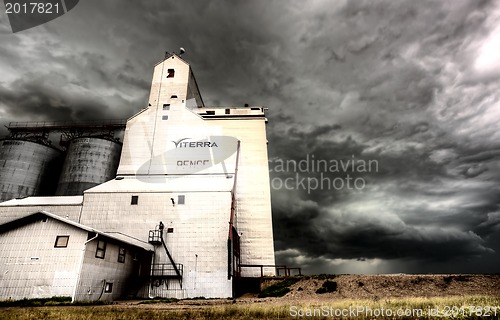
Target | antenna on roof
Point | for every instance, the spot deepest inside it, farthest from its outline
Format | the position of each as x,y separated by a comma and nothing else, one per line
182,51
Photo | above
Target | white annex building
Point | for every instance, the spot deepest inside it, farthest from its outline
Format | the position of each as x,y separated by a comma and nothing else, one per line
191,196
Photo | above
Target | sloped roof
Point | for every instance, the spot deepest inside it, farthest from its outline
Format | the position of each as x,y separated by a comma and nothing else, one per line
171,54
187,183
120,237
44,201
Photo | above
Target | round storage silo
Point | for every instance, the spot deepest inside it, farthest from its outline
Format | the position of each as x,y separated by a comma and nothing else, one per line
27,169
89,162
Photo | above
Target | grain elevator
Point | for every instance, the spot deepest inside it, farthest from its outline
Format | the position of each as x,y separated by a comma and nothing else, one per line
191,184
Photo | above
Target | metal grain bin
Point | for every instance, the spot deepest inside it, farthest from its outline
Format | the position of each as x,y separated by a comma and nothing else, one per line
88,162
27,169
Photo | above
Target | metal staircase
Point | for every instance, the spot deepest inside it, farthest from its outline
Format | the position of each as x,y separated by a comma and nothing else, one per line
162,272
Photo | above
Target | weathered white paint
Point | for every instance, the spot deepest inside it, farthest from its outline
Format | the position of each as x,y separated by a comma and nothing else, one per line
32,267
149,168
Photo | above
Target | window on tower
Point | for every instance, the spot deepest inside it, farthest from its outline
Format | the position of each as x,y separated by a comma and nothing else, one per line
171,73
181,199
134,200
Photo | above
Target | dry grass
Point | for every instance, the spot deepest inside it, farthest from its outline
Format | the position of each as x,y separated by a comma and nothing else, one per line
418,296
267,309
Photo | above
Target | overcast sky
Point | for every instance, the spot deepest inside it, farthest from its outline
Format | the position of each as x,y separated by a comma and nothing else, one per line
413,86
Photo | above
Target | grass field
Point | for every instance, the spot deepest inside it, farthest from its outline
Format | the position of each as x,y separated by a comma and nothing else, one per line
468,307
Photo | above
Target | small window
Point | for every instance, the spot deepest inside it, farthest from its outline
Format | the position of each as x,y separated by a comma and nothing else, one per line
181,199
210,112
228,111
101,249
108,288
61,242
171,73
174,96
121,254
170,230
164,117
134,200
166,106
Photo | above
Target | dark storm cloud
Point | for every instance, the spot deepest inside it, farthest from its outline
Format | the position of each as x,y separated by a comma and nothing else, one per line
393,81
37,100
435,196
55,97
339,224
351,236
77,87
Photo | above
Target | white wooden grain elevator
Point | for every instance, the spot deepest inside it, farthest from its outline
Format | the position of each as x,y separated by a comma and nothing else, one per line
192,183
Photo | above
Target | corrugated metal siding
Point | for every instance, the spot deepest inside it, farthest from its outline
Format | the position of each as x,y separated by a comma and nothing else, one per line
72,212
27,168
200,228
199,240
89,162
96,272
254,219
32,267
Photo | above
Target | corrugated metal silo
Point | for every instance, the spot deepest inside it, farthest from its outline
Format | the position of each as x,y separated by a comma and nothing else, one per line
27,169
89,162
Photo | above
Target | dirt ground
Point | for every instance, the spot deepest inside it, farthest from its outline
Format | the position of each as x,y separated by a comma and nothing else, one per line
370,287
376,287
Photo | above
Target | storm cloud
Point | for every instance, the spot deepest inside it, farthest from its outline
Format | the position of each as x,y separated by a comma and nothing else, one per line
412,86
